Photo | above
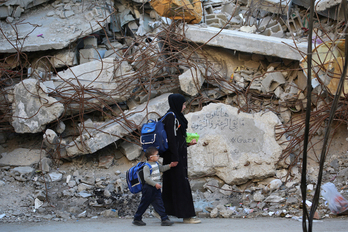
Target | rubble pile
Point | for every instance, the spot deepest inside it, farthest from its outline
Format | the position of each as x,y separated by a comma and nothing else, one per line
80,77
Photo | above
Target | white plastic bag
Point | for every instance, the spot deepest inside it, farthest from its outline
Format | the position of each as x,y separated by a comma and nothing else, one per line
337,203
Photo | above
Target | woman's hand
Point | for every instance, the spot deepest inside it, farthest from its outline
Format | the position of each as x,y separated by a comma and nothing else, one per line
158,186
173,164
193,142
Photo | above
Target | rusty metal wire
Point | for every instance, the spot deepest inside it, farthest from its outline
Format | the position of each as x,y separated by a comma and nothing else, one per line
157,61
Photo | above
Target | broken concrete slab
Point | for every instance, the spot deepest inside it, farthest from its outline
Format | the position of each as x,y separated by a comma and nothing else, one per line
274,6
16,7
33,108
251,43
130,150
104,75
272,81
113,130
191,81
22,157
64,58
54,32
235,147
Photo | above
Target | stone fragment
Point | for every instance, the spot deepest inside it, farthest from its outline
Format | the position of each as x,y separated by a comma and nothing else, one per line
22,157
55,176
45,164
274,198
233,146
89,54
226,213
272,81
33,108
275,184
214,213
248,29
105,161
110,132
191,81
83,187
291,200
22,173
130,150
64,58
226,190
60,127
50,13
258,196
110,213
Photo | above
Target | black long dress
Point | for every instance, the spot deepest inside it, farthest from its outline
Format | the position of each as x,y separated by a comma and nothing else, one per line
176,193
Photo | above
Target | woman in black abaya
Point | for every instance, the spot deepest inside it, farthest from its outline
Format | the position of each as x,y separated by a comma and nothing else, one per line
176,193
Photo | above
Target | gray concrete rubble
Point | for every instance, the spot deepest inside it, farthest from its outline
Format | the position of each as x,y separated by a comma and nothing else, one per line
100,136
97,78
191,81
22,157
246,42
235,147
15,8
87,74
35,34
33,108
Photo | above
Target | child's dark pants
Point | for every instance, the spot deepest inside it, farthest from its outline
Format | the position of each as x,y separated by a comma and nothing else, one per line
150,195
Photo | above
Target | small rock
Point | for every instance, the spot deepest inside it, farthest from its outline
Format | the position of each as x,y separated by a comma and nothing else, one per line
9,19
50,14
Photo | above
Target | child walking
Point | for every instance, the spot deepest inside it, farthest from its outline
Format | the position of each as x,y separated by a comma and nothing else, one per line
151,192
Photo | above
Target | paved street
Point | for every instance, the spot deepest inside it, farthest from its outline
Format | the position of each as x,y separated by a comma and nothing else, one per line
211,225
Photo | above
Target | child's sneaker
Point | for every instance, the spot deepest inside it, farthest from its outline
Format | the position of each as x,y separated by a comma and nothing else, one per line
167,222
139,223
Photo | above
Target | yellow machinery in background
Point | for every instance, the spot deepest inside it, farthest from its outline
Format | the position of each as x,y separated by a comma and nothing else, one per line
189,11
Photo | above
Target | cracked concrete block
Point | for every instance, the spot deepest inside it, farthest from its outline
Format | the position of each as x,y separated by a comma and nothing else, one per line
216,20
272,81
64,58
131,150
4,12
89,54
248,29
295,22
301,81
191,81
209,9
90,42
17,12
30,112
266,23
231,8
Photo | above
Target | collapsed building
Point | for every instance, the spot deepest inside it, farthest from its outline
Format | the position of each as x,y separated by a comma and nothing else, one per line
80,77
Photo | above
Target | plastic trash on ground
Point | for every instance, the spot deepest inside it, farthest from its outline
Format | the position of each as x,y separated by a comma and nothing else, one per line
337,203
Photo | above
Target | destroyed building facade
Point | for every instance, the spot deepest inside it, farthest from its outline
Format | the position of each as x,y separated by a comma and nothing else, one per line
80,77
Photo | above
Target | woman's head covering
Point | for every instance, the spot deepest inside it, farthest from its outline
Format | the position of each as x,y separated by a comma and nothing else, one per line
176,102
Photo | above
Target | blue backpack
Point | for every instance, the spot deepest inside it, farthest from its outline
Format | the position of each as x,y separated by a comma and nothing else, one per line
154,135
135,177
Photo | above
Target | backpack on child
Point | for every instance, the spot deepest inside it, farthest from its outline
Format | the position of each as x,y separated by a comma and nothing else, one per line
135,177
154,135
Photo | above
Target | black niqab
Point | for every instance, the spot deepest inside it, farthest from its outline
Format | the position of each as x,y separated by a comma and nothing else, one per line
176,102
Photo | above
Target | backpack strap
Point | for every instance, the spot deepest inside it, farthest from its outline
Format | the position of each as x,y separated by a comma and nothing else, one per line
176,121
150,167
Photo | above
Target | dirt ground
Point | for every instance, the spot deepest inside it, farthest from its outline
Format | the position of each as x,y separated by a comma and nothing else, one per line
18,196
